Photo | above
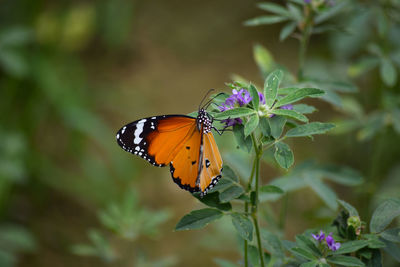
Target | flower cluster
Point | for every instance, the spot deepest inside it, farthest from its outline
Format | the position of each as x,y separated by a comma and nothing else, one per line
241,97
332,245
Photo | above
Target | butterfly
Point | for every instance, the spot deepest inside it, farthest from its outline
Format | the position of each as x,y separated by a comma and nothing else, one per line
185,143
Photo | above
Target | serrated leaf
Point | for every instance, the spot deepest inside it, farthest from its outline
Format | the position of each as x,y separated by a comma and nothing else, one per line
271,189
251,125
351,246
304,108
301,252
290,113
274,8
264,20
234,113
391,234
345,260
305,243
198,219
350,209
287,30
230,193
265,127
323,191
243,142
254,95
283,155
310,129
298,95
384,214
271,86
243,225
276,124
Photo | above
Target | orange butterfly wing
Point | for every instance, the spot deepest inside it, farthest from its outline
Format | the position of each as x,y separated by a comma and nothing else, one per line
212,163
195,162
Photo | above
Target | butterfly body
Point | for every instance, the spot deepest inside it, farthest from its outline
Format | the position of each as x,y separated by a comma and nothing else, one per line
185,143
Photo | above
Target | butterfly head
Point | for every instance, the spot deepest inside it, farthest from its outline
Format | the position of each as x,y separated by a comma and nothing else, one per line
204,121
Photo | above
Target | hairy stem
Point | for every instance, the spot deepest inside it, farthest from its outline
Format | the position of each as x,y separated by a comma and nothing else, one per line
246,210
254,208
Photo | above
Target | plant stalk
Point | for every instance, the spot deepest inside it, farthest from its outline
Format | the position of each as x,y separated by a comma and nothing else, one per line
254,208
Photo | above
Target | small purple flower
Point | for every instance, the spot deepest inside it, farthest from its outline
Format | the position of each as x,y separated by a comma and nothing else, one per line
242,97
262,98
331,243
319,237
230,101
288,107
307,1
232,122
224,107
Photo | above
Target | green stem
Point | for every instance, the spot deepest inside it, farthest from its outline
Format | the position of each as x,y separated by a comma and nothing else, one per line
246,210
305,37
254,208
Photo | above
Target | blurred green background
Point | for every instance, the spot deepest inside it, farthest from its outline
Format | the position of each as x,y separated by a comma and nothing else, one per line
73,72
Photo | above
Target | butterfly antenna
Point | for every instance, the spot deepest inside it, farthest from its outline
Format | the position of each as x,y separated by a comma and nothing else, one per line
204,97
209,102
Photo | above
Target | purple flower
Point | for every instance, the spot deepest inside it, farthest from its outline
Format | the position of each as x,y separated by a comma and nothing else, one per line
307,1
242,97
288,107
319,237
224,107
331,243
232,122
262,98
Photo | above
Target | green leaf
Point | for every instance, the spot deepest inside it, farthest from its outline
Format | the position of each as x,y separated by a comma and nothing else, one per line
323,191
272,243
301,252
330,12
304,242
243,142
350,209
251,125
262,20
388,72
243,225
265,127
274,8
290,113
298,95
227,172
212,200
230,193
271,189
391,234
234,113
271,86
345,260
384,215
254,95
340,174
263,59
310,129
374,241
304,108
276,124
351,246
393,250
198,219
283,155
309,263
287,30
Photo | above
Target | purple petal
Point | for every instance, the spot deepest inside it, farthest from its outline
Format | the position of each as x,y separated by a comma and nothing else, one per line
329,240
288,107
262,98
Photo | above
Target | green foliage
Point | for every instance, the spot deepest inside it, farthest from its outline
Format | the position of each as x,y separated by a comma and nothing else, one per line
198,219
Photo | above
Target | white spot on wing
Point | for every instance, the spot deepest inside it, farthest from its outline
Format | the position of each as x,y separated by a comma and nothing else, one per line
123,130
138,131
